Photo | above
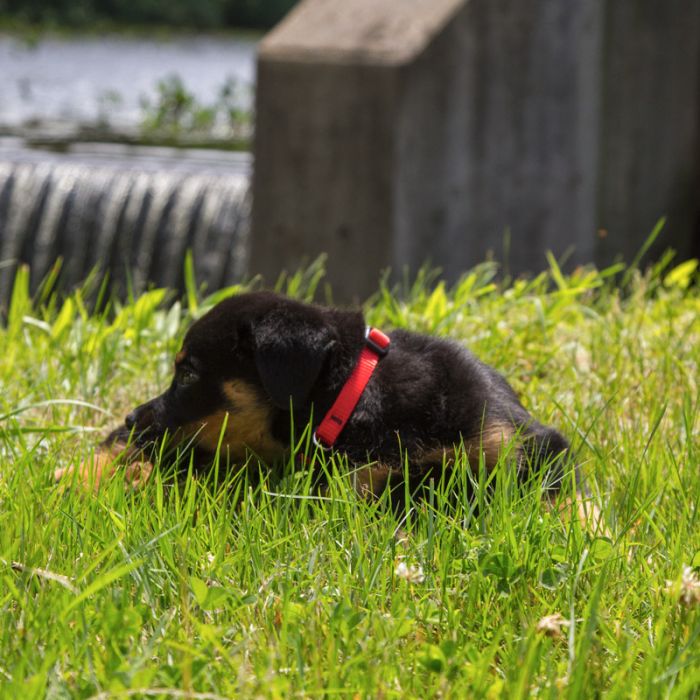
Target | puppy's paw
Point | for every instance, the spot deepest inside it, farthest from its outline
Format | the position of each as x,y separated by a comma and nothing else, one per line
89,474
585,511
138,474
93,472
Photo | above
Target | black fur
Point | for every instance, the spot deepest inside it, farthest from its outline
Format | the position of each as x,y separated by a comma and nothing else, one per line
426,394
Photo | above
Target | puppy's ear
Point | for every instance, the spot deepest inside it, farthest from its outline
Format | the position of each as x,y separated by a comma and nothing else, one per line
291,346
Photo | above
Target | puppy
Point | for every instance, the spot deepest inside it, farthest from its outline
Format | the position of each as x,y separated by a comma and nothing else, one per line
258,363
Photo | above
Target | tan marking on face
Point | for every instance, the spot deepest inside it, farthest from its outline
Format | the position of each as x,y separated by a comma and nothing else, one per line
248,418
491,442
180,357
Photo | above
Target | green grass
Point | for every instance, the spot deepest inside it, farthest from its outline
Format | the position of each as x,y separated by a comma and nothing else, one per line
211,586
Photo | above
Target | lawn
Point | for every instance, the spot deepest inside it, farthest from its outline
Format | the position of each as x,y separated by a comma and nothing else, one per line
222,585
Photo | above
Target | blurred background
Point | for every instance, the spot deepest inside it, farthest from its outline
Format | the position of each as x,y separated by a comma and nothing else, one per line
261,134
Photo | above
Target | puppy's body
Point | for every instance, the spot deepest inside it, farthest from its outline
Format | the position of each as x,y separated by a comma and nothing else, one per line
259,363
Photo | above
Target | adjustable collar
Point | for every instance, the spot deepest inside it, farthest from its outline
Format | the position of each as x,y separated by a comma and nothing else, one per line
376,347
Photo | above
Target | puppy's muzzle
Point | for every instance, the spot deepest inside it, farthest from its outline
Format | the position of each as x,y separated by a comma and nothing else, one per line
144,421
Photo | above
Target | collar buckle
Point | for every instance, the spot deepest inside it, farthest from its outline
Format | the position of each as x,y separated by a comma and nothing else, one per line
377,341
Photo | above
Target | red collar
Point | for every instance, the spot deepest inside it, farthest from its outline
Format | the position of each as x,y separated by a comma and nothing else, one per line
376,347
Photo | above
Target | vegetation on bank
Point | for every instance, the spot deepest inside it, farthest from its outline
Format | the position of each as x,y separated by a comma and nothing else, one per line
219,585
211,15
172,117
176,115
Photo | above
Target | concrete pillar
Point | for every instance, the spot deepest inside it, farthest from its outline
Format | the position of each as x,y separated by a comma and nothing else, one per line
328,99
650,141
393,134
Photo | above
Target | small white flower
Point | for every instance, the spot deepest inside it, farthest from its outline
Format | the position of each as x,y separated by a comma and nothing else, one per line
412,573
550,625
687,589
582,359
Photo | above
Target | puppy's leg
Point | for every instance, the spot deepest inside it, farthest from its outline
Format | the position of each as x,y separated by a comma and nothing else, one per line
546,448
371,481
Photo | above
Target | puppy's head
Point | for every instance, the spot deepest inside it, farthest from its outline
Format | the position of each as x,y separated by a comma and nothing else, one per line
249,359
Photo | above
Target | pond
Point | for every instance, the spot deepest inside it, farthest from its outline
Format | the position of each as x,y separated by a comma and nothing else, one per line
85,80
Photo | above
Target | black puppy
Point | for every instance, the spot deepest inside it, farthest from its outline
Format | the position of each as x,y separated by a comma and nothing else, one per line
259,363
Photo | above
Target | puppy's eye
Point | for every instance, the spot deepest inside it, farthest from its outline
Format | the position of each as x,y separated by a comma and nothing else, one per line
186,377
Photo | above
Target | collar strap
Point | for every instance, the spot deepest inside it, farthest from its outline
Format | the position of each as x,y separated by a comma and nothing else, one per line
376,347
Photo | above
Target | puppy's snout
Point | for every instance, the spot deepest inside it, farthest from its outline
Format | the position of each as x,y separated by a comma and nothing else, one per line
140,418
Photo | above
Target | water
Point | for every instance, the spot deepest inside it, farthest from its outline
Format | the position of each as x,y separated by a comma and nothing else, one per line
133,212
95,79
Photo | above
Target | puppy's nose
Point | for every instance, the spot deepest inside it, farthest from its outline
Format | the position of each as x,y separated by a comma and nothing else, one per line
141,417
130,420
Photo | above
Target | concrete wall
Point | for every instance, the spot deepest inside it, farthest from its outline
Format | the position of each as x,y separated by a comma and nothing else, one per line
496,131
394,134
650,136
